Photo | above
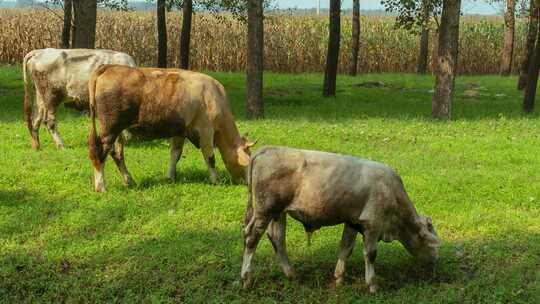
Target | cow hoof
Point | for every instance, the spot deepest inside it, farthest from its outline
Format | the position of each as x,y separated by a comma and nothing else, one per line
373,288
340,281
248,282
36,146
100,188
290,274
61,147
130,183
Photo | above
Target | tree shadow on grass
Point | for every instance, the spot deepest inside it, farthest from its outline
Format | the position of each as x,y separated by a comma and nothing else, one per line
204,264
184,175
12,198
29,211
403,96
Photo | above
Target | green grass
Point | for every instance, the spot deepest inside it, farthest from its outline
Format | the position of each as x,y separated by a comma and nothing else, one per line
477,176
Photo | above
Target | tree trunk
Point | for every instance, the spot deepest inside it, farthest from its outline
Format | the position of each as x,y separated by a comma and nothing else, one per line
508,45
74,13
185,36
332,57
66,29
162,35
424,40
532,78
355,38
531,39
84,15
446,60
255,63
424,51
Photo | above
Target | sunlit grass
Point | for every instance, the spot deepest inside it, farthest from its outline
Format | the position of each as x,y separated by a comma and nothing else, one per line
477,176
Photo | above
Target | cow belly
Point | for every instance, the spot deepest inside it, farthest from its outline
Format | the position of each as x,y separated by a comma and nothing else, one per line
314,220
76,104
159,129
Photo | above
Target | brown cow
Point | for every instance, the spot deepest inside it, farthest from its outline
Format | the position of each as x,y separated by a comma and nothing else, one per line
324,189
162,103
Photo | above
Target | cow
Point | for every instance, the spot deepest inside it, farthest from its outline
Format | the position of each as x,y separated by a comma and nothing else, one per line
153,103
60,75
324,189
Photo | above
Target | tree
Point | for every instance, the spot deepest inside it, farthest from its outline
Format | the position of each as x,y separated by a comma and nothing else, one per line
69,17
162,34
531,39
414,15
255,64
447,60
236,7
508,44
532,73
332,57
66,29
532,81
84,14
185,36
424,39
355,37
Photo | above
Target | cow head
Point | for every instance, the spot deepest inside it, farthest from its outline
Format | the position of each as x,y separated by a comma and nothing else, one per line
239,161
422,241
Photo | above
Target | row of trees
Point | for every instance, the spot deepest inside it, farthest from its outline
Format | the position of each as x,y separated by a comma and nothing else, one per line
419,12
80,21
411,13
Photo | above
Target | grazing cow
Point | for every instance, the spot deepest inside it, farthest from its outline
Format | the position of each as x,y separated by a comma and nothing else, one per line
60,75
163,103
325,189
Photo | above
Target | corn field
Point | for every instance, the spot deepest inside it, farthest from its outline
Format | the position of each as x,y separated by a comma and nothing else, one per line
293,44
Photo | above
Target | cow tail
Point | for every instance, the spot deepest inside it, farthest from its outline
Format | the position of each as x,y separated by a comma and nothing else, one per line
27,93
95,148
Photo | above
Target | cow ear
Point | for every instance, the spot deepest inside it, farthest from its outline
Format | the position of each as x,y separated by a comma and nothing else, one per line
430,239
250,143
243,158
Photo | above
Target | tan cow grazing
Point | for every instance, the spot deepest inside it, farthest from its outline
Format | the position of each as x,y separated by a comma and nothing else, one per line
60,75
325,189
163,103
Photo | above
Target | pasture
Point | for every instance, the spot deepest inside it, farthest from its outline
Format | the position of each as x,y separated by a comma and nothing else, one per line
477,176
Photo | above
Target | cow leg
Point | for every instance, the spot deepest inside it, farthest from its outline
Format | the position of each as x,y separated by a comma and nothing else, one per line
36,123
207,149
370,254
177,146
348,239
98,157
252,235
117,155
276,234
52,126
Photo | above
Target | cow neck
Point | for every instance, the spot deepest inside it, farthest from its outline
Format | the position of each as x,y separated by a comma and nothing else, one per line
410,220
228,139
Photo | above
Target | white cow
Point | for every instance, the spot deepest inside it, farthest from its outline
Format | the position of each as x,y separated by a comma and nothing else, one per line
60,75
325,189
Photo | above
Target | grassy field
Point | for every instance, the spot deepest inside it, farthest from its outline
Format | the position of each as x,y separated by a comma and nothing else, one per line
477,176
